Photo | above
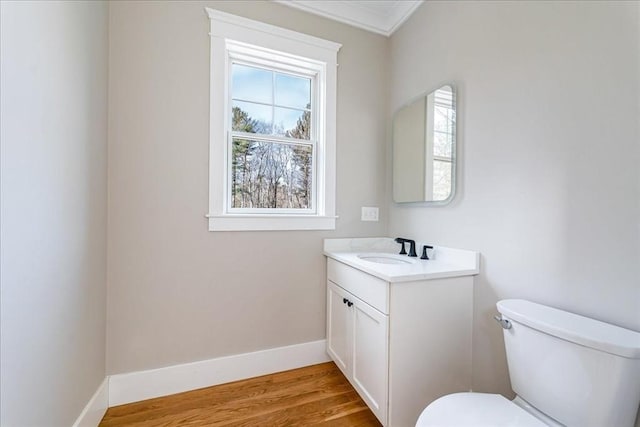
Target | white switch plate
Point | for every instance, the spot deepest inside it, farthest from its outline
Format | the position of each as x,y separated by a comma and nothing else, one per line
369,213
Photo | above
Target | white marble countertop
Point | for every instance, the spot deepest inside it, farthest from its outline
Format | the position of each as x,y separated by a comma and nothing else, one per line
444,262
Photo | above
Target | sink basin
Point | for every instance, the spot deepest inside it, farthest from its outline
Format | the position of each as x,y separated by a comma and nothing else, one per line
385,258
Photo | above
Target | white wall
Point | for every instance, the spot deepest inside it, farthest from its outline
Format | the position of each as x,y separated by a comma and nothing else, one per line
548,119
53,253
177,292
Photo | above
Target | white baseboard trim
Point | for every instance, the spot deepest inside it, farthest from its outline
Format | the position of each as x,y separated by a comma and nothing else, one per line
92,414
141,385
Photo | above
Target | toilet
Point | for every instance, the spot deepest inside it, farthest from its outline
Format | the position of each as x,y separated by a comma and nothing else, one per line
566,370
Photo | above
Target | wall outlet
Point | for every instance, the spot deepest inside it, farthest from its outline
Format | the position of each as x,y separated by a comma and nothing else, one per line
369,214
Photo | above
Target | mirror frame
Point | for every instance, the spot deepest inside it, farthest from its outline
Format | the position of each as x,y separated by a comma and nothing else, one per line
454,148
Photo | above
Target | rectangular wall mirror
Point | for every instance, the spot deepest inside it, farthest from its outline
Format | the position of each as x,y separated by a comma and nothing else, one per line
424,148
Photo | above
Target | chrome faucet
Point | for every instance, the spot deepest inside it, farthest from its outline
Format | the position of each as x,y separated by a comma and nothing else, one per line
412,247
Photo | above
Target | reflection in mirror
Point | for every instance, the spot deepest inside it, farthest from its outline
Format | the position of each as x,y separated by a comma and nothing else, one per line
424,143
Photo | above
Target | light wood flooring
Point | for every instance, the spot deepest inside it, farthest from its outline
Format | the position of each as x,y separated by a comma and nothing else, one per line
316,395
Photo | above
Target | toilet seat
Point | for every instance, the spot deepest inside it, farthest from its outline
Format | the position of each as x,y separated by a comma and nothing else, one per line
476,410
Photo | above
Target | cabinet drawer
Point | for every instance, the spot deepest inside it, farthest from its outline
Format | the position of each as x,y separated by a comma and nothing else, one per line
369,289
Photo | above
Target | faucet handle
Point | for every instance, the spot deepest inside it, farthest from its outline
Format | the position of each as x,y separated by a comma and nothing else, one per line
424,251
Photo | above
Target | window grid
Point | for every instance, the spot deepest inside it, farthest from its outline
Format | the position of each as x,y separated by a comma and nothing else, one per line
277,70
273,138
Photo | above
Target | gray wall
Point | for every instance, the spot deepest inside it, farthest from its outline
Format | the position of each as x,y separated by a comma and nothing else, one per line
177,292
549,109
53,254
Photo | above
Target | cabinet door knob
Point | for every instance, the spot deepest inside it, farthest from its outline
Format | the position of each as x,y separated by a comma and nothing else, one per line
344,300
349,303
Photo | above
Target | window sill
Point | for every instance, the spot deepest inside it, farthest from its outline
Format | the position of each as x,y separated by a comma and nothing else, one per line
270,222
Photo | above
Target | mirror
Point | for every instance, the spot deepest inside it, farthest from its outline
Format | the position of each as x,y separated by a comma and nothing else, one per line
424,147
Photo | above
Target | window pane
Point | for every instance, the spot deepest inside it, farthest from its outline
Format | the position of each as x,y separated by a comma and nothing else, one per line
271,175
292,123
442,120
441,180
251,84
292,91
442,144
252,118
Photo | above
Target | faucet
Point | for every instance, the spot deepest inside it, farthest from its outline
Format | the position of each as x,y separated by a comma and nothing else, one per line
424,251
412,247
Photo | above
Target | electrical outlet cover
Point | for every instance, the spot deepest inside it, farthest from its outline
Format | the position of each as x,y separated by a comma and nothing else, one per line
369,213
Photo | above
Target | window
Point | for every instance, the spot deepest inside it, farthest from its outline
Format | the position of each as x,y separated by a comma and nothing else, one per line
272,140
443,134
272,134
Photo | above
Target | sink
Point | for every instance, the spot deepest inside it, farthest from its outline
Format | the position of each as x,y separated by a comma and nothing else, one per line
385,258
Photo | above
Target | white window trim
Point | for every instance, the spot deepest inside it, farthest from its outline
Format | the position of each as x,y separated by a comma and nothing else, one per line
227,30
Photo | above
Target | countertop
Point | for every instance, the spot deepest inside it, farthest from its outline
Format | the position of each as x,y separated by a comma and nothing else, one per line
445,262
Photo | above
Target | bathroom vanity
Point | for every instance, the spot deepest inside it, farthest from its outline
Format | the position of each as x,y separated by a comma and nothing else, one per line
399,328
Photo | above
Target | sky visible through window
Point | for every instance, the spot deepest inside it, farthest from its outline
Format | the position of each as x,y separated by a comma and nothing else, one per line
276,100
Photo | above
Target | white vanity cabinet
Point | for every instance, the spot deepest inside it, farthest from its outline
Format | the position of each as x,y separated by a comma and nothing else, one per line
401,345
357,340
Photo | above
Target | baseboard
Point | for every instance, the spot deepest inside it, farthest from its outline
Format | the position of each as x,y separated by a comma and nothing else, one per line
141,385
92,414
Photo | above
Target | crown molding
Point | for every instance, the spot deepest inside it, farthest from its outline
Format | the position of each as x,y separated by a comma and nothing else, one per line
381,17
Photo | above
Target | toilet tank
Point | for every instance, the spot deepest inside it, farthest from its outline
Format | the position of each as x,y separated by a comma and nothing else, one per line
577,370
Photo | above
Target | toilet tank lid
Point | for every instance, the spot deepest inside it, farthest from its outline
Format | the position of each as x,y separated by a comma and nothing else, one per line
573,327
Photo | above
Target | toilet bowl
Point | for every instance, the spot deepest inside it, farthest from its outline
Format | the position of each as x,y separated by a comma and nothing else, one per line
566,369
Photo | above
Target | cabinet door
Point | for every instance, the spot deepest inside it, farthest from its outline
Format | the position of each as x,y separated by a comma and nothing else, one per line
370,357
339,326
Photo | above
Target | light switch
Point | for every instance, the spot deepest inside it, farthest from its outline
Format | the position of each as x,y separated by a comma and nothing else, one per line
369,213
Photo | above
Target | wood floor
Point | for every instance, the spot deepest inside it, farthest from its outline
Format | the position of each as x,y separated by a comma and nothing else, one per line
317,395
